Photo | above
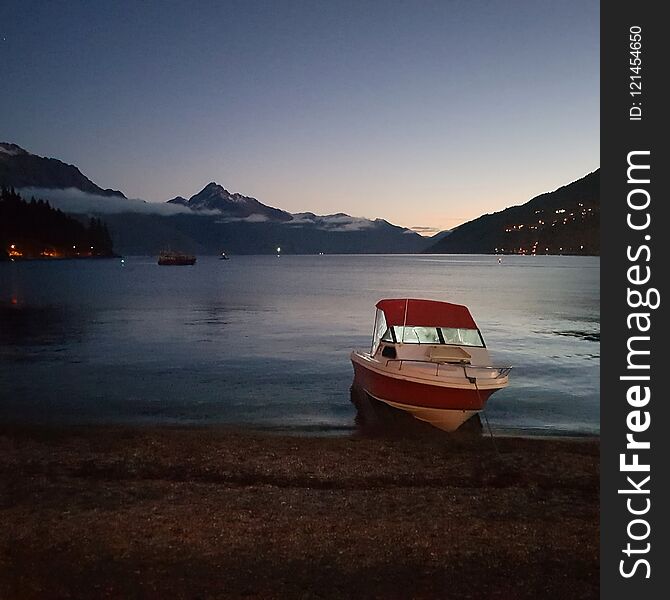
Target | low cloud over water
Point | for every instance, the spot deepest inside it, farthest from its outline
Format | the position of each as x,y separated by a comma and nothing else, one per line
72,200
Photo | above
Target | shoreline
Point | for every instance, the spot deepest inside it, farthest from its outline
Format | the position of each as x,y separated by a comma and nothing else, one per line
344,432
181,511
334,254
347,428
22,259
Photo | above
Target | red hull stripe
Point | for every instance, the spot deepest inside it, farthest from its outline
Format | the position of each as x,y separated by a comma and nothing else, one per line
422,395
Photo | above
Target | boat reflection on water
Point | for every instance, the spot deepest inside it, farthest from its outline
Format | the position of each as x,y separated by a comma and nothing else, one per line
377,419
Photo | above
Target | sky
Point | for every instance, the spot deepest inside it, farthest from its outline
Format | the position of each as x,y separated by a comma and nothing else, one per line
425,113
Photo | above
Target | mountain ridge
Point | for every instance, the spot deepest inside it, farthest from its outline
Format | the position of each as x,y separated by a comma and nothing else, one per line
22,169
563,221
209,222
214,197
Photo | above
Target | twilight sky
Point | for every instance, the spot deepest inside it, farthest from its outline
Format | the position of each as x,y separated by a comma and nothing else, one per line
424,113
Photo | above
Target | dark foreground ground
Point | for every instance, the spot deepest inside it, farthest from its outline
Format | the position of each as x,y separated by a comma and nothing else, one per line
211,513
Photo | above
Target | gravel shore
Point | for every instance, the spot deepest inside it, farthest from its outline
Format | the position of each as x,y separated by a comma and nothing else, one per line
166,512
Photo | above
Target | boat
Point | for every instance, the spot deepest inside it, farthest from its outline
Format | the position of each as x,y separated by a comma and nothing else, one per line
224,257
428,358
168,257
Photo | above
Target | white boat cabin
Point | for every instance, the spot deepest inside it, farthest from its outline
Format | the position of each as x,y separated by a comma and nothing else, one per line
425,330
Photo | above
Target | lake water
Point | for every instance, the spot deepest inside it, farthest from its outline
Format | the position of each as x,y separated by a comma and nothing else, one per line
265,341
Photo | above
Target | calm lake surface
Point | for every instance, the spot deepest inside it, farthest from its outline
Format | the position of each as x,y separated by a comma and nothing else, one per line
265,341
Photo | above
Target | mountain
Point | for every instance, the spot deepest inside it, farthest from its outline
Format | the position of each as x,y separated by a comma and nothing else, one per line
21,169
220,220
215,220
203,233
178,200
565,221
210,222
440,235
214,197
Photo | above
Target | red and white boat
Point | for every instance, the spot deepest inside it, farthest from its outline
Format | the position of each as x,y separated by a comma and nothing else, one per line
428,358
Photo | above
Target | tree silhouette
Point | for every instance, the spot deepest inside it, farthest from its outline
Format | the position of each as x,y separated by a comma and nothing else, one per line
35,229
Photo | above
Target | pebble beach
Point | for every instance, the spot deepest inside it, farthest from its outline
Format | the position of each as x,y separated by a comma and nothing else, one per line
212,512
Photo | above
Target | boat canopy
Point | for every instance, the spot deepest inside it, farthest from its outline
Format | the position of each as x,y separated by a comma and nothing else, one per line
425,313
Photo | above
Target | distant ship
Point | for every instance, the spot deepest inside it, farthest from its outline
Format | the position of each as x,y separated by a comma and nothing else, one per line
223,256
175,258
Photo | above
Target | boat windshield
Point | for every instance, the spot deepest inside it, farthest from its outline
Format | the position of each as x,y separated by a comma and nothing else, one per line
380,328
433,335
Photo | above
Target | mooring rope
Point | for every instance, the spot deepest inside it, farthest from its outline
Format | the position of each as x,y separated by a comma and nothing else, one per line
486,419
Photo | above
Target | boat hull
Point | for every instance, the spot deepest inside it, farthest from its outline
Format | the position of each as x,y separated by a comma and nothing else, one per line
173,262
375,417
448,420
442,404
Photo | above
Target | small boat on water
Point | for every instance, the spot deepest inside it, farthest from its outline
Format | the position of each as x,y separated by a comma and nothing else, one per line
170,258
428,358
224,257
